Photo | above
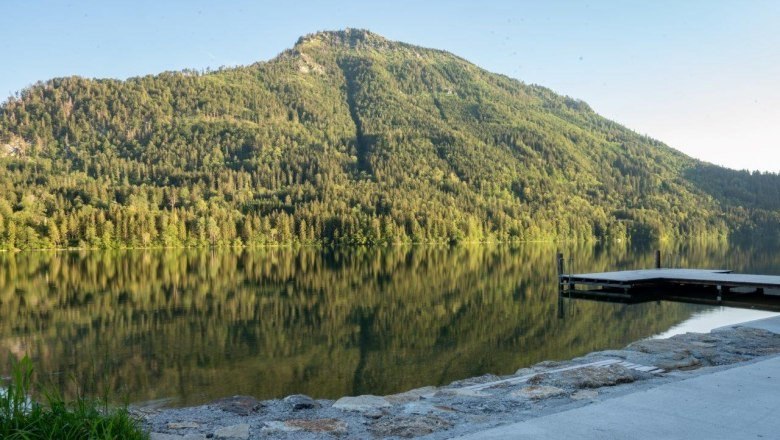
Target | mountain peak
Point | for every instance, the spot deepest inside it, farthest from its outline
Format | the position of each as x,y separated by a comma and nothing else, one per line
348,38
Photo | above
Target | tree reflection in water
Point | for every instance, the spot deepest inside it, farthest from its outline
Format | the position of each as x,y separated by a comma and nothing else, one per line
198,324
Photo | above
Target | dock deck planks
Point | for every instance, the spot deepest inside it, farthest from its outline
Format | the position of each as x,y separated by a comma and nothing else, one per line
661,277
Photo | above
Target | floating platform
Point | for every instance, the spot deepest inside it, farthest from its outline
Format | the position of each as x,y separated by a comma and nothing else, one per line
697,286
631,279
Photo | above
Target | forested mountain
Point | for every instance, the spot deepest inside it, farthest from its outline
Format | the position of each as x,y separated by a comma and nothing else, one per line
345,138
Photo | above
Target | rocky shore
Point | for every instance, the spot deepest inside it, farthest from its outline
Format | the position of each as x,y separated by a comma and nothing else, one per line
469,405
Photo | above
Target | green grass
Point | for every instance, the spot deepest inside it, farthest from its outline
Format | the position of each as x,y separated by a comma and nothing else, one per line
83,418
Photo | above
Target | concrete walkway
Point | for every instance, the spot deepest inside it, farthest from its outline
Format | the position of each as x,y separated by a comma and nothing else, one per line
739,403
769,324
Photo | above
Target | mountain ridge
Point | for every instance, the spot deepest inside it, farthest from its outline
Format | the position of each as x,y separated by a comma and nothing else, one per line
347,138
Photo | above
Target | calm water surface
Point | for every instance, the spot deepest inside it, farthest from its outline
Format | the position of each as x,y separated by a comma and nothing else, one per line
195,325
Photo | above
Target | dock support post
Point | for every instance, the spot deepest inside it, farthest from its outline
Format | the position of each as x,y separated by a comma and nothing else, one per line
560,263
657,259
559,257
722,290
561,312
571,271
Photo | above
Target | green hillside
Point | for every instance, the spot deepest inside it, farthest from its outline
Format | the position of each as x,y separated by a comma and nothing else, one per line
346,138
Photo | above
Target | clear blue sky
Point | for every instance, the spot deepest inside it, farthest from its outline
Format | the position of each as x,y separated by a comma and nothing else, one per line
702,76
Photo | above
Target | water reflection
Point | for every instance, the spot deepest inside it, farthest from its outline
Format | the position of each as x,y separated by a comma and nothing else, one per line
196,325
717,317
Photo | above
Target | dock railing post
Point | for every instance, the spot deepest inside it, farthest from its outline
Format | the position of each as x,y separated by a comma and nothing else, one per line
657,259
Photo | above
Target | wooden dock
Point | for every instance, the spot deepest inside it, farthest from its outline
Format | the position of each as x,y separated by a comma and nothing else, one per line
699,286
631,279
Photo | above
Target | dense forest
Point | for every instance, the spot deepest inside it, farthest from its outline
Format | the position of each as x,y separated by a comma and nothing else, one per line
347,138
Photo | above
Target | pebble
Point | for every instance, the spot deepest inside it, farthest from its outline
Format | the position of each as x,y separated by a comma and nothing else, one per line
584,395
183,425
163,436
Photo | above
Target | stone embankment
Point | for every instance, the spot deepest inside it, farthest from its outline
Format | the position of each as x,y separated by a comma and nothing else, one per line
469,405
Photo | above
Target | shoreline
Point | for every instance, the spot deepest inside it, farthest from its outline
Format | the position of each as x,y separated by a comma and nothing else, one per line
476,404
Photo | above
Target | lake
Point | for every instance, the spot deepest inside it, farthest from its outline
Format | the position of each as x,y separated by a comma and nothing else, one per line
191,326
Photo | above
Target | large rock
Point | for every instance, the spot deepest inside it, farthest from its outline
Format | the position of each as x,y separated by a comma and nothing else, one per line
537,392
677,347
525,371
407,427
742,342
597,377
693,350
678,361
361,403
233,432
301,401
587,377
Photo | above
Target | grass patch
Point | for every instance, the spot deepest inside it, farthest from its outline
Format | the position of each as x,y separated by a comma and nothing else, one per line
82,418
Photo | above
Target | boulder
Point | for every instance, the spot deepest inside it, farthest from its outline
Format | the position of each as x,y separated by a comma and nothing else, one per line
596,377
361,403
301,401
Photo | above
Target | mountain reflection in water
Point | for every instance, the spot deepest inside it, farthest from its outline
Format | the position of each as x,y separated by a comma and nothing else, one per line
196,325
